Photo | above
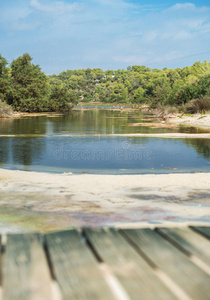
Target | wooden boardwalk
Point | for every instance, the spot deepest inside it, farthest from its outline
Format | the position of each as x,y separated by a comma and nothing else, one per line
107,264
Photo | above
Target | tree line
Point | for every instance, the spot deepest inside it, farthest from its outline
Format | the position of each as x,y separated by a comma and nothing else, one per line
26,88
139,84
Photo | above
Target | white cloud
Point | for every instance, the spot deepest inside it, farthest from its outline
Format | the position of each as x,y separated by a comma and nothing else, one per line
58,7
116,3
182,35
106,33
166,35
183,6
14,13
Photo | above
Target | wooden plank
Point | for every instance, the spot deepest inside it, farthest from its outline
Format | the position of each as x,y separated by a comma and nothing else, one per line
173,262
26,274
203,230
75,267
136,276
189,241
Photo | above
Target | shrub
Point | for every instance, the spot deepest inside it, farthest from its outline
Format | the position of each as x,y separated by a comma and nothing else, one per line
198,105
5,110
172,110
164,112
181,108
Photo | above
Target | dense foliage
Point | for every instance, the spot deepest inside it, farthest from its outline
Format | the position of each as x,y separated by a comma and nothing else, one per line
26,88
139,84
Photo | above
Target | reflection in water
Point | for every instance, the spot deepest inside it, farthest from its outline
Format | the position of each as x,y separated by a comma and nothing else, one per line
29,125
27,151
21,152
191,129
64,144
202,146
97,121
82,121
4,150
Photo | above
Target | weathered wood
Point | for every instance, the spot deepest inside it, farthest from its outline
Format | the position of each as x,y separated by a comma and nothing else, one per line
136,276
26,274
203,230
75,267
189,241
173,262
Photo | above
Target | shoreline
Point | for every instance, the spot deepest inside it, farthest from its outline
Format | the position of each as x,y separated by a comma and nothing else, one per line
196,120
46,202
151,135
167,135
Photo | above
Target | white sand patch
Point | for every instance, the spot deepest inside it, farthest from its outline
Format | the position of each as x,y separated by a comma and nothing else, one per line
114,200
197,120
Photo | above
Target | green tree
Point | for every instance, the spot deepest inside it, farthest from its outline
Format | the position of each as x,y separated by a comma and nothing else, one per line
4,79
29,86
138,84
61,99
139,95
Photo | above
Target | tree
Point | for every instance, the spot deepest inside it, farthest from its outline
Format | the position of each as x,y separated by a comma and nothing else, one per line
4,79
29,86
139,95
61,99
3,64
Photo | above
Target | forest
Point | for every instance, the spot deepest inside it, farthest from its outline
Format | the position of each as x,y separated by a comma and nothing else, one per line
25,87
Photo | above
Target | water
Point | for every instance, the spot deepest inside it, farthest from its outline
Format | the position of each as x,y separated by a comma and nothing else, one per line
89,121
78,143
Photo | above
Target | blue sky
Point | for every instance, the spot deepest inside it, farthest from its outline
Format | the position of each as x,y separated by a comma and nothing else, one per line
107,34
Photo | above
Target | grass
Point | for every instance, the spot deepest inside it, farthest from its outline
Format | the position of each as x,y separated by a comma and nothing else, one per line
187,115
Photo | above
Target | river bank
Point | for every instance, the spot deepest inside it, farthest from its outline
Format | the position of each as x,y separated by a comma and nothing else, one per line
196,120
45,202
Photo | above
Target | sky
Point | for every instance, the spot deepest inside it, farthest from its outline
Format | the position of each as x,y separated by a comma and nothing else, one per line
106,34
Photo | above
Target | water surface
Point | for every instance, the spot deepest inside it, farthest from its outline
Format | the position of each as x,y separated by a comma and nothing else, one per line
90,121
73,143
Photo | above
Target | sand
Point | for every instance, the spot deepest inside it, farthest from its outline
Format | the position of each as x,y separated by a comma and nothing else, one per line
171,135
197,120
45,202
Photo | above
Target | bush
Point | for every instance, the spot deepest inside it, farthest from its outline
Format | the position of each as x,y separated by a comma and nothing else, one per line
172,110
163,112
61,99
5,110
198,105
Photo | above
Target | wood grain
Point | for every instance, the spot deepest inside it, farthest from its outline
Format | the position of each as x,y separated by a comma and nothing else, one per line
26,274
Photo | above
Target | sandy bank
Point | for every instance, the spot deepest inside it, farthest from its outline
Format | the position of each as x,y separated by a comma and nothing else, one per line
43,202
170,135
197,120
176,135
